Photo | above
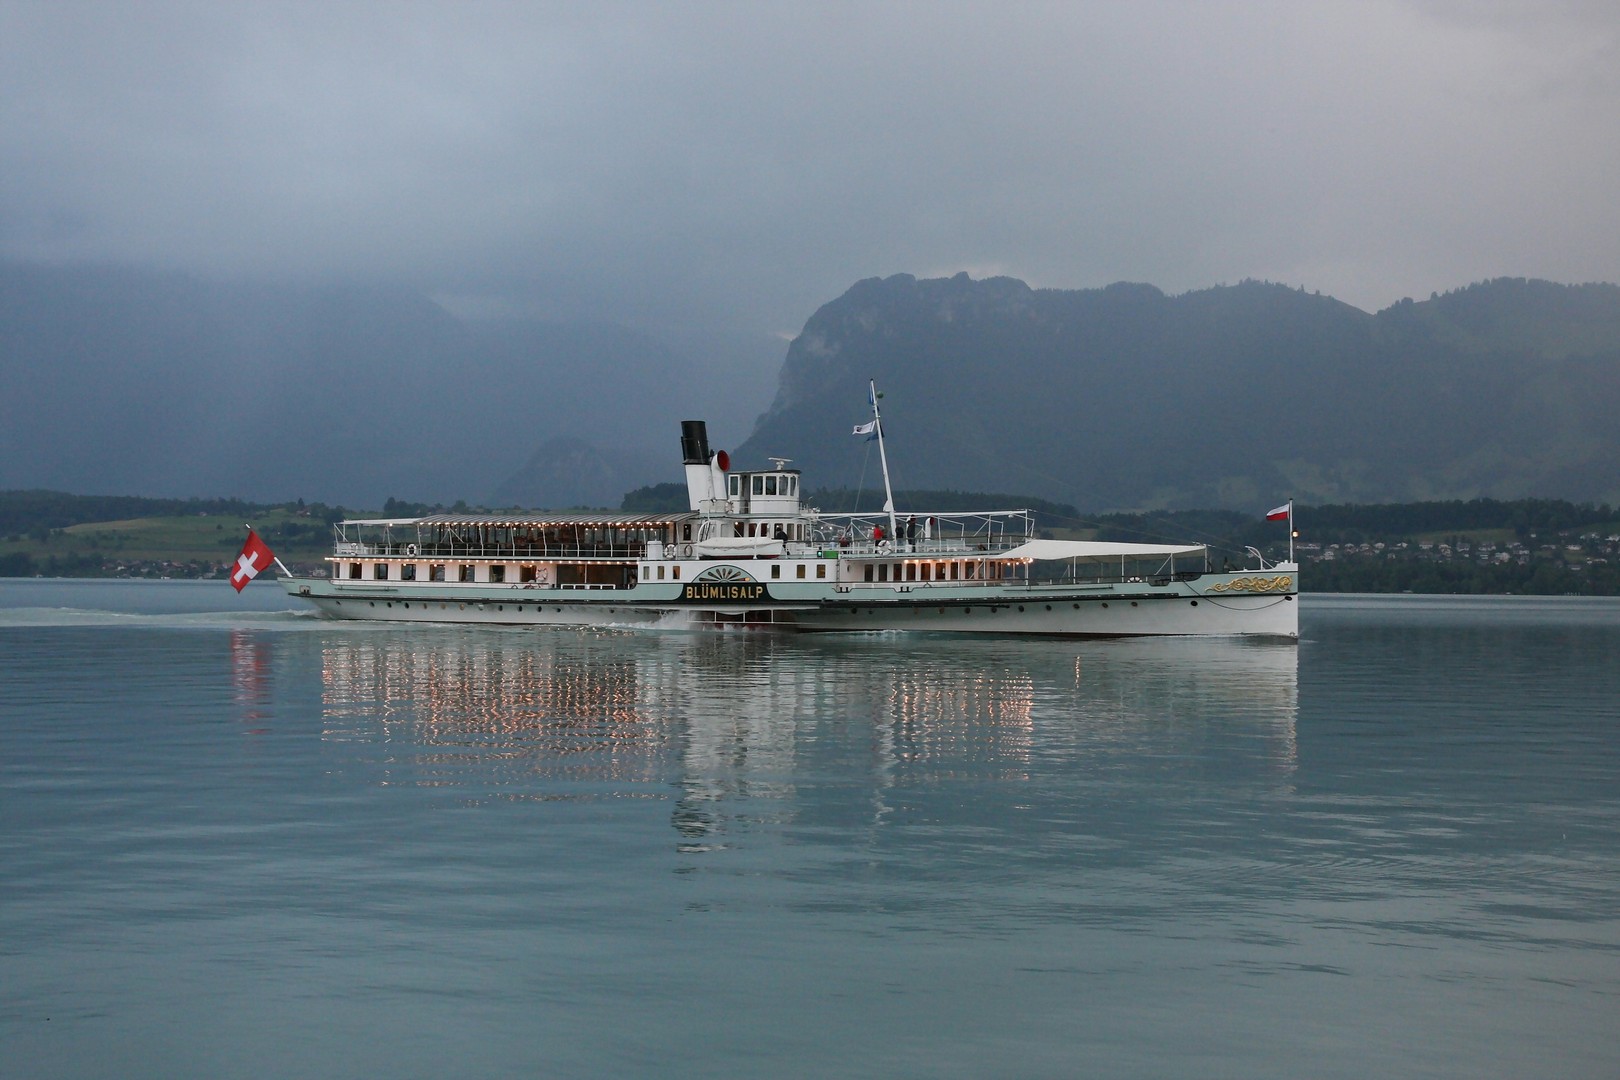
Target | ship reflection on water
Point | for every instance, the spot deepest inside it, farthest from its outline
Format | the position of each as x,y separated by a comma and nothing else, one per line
758,731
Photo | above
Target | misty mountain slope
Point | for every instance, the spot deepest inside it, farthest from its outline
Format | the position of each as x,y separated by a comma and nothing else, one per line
119,380
1224,397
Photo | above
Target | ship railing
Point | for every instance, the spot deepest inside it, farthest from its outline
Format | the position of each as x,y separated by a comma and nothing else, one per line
1105,579
1115,578
510,552
907,549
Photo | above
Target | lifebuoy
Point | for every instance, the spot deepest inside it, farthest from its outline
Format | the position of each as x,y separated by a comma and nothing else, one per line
884,547
687,551
670,552
410,549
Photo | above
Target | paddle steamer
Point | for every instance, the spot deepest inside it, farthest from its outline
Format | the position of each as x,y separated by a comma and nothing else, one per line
749,553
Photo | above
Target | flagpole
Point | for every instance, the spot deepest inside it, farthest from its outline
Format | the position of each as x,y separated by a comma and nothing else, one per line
273,556
883,457
1290,530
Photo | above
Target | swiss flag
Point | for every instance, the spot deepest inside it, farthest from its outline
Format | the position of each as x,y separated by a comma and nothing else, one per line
256,555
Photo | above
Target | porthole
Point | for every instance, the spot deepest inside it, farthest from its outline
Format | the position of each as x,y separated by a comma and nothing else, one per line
1133,603
1195,603
1020,607
1048,607
1105,604
1077,607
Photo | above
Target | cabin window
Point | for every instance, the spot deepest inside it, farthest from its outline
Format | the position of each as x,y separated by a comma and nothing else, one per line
686,532
883,572
407,572
675,572
776,570
821,570
869,571
911,571
736,486
380,571
466,572
527,574
436,572
967,569
354,570
497,573
660,573
801,570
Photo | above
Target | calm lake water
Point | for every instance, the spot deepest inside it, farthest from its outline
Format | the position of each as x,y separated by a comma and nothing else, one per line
238,841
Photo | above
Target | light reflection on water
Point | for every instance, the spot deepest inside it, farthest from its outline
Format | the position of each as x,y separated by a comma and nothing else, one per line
266,845
742,718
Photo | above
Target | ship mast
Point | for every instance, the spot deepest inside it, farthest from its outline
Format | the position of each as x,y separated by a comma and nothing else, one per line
883,457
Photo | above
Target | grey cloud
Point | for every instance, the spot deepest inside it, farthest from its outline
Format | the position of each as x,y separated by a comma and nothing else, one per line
719,170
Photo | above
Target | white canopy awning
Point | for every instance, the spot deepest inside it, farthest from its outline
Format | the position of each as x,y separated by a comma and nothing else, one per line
1096,551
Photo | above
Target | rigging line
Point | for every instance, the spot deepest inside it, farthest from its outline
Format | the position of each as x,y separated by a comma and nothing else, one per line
860,486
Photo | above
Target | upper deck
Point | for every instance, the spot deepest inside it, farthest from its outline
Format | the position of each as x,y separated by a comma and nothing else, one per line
630,537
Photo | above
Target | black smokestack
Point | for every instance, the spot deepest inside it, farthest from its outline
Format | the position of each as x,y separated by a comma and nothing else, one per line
694,442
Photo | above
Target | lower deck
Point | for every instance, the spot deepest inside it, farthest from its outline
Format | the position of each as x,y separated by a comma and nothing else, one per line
1237,603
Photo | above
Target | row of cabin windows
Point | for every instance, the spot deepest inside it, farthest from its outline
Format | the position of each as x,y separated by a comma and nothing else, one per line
775,530
655,571
766,484
938,571
437,572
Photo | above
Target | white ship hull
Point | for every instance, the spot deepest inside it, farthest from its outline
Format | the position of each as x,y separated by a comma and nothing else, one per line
1205,605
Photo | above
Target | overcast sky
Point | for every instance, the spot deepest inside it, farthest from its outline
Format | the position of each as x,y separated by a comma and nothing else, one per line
713,170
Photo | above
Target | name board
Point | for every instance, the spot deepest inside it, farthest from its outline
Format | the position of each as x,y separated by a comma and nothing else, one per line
704,591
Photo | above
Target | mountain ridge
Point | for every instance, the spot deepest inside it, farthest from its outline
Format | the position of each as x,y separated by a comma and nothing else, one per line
1125,397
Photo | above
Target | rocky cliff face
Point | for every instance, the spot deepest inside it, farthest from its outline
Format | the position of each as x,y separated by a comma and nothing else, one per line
1234,396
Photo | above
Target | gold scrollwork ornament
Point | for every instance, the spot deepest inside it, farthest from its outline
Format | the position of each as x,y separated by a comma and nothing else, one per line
1280,583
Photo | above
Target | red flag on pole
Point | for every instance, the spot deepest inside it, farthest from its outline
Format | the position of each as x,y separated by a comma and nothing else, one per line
256,555
1281,512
